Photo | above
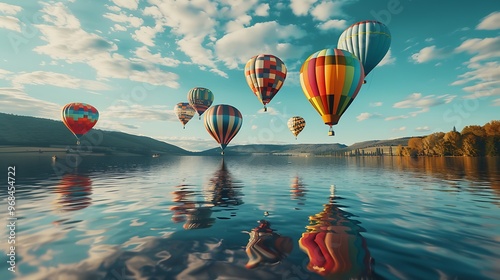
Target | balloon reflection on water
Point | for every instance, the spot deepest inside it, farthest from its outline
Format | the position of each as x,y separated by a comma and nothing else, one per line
298,190
196,213
265,246
73,192
221,190
334,244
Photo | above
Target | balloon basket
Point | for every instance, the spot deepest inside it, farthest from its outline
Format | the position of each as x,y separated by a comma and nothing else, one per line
331,132
265,108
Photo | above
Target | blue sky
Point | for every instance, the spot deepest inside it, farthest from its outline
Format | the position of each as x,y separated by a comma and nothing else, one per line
134,60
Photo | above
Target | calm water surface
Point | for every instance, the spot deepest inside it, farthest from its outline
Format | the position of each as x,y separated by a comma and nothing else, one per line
198,218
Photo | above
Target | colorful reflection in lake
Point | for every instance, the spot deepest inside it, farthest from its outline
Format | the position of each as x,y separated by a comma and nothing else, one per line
257,218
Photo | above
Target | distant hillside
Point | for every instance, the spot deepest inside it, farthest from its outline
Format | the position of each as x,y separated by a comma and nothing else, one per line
38,132
278,149
379,143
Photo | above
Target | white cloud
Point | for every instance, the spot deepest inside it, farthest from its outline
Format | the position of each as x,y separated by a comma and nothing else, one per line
490,22
429,53
146,34
143,54
56,79
118,27
193,18
486,79
388,59
238,23
365,116
4,74
16,101
264,37
254,127
194,22
113,8
327,9
301,7
496,102
422,128
339,24
237,8
403,128
262,10
129,4
396,118
129,20
117,66
9,9
375,104
192,46
417,100
487,48
11,23
125,110
67,41
429,39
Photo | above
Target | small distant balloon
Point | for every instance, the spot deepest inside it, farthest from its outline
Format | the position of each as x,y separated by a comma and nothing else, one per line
296,124
223,123
265,75
79,118
200,99
184,112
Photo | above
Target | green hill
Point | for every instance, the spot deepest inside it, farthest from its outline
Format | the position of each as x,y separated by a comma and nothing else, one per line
278,149
37,132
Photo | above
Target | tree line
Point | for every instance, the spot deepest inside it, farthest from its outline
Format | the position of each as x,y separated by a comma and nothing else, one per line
472,141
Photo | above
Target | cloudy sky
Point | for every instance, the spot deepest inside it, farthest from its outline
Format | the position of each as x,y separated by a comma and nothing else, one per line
135,59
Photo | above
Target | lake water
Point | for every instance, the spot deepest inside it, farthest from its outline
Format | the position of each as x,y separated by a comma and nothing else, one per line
198,218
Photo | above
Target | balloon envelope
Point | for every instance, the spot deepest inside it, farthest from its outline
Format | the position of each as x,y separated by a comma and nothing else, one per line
79,118
223,123
184,112
200,99
331,79
296,124
265,75
368,40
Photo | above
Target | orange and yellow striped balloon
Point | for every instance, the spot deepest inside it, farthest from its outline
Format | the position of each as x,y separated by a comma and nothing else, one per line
331,79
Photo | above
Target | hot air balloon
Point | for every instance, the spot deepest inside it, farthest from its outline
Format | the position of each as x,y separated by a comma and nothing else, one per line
223,123
296,125
200,99
331,79
368,40
184,112
79,118
265,75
